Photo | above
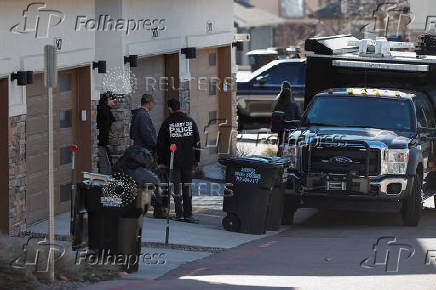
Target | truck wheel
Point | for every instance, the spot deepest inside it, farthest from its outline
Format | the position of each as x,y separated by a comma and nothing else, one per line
412,204
288,216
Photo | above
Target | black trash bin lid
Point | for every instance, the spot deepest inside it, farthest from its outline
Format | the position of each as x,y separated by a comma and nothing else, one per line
258,161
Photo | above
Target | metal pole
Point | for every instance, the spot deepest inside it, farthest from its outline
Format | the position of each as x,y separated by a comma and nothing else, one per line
50,180
73,186
170,179
51,80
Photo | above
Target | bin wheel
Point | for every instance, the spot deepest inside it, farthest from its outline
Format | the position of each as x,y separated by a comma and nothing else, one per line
231,223
288,216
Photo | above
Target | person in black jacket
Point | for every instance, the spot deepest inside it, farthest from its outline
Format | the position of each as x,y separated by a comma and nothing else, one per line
181,130
142,129
105,118
288,106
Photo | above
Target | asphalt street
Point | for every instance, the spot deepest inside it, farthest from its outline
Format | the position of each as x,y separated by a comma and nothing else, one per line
324,250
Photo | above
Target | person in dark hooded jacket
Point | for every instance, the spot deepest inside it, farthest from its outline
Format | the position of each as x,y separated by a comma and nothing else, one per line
286,105
105,118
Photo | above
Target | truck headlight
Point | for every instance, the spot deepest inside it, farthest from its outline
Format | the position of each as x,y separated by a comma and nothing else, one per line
291,153
395,161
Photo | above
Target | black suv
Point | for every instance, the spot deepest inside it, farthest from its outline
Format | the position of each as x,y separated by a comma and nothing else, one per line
367,149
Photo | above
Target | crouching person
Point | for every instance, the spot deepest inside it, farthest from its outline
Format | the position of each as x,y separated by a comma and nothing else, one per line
136,163
181,130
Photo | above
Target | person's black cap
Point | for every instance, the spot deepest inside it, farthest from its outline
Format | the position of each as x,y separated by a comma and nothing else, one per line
174,104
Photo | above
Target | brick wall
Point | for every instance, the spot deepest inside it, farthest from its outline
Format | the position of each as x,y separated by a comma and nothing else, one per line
17,174
119,137
184,97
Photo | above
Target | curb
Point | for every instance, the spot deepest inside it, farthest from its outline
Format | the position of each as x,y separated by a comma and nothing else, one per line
187,248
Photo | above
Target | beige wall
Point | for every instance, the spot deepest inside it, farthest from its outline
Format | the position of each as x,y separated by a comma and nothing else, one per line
201,102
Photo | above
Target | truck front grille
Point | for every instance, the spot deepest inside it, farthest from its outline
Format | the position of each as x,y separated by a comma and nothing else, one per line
321,161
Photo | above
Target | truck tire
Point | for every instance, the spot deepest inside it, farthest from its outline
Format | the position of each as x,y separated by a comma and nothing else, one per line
412,204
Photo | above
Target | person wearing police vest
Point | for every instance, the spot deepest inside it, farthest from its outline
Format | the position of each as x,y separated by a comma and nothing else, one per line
181,130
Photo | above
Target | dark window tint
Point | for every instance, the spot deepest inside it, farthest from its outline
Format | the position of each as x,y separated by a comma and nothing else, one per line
361,112
212,117
425,111
65,83
65,119
212,59
294,73
65,155
212,88
65,192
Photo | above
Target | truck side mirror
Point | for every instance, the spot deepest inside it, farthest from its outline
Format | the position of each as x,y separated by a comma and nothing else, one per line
277,121
430,131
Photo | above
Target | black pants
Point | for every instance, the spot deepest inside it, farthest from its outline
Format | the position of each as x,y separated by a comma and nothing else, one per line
182,177
104,160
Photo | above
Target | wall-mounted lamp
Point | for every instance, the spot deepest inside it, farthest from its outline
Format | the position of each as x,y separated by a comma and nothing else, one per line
100,65
132,60
239,45
23,77
189,52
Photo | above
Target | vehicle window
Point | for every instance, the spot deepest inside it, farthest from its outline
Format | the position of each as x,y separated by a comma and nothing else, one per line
362,112
420,116
427,110
291,72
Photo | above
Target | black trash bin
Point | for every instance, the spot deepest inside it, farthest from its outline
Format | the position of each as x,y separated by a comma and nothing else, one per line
254,203
113,225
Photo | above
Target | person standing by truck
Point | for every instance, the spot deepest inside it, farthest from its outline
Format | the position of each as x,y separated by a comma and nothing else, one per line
286,105
181,130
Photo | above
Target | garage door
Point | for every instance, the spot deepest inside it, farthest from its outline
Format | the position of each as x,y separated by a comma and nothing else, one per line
66,106
148,73
4,158
204,100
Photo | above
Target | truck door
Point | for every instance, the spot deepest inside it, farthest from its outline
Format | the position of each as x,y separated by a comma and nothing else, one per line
426,118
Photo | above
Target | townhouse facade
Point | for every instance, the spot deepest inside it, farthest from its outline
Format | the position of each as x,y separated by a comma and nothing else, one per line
170,49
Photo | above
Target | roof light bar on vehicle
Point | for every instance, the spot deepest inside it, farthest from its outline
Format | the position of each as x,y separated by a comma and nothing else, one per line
381,66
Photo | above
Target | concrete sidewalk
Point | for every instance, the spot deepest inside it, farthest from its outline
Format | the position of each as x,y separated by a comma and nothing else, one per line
188,242
208,233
